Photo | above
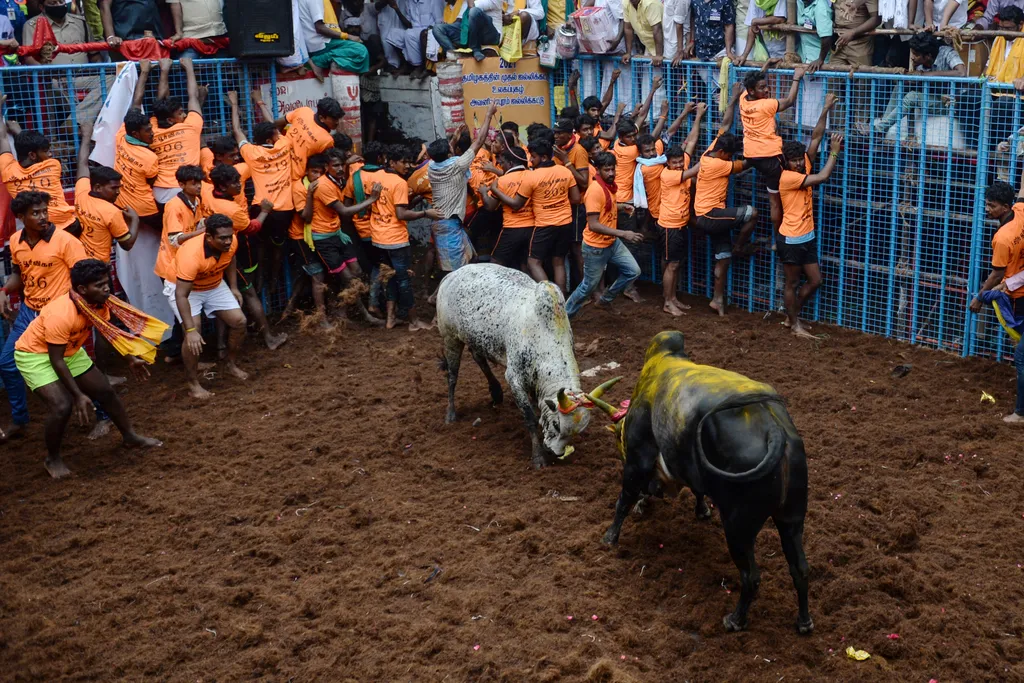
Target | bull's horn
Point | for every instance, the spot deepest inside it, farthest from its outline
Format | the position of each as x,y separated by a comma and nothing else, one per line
565,404
599,391
606,407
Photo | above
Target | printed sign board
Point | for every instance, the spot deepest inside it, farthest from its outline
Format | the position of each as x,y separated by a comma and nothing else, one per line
521,91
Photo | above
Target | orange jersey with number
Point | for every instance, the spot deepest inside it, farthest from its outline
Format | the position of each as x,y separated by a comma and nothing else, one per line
176,146
41,177
46,267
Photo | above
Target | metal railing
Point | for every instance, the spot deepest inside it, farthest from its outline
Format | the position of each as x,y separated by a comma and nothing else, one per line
903,237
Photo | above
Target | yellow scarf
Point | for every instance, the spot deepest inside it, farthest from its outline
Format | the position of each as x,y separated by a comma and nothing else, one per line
1002,68
451,12
307,229
144,332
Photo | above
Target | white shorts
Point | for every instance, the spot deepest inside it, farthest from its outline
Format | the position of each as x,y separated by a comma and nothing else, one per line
219,298
162,195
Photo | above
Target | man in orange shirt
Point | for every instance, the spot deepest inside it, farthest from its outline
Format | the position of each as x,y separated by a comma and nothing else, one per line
332,249
101,221
57,369
220,196
224,151
176,133
571,154
310,133
390,235
205,280
41,261
373,159
1007,265
513,246
602,241
551,191
34,169
762,146
139,167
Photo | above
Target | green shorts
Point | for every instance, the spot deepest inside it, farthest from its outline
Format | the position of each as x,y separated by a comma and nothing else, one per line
37,371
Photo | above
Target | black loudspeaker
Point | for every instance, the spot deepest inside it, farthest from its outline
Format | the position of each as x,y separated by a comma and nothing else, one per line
260,28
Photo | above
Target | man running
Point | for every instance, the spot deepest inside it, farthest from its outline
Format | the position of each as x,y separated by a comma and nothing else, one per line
41,260
49,355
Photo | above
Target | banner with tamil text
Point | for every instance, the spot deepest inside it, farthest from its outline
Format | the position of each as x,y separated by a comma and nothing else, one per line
520,90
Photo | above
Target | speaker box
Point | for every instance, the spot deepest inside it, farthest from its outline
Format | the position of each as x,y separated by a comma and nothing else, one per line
260,28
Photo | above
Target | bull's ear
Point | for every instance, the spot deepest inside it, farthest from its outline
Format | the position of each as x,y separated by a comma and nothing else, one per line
551,405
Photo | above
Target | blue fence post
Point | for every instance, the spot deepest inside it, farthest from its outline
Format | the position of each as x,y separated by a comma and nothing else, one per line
978,218
868,212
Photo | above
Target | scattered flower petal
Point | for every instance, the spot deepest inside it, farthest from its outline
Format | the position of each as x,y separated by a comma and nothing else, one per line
859,655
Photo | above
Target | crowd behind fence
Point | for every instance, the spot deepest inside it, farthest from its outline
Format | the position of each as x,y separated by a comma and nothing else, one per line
903,237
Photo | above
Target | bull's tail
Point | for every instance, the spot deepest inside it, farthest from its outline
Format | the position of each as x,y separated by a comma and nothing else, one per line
776,439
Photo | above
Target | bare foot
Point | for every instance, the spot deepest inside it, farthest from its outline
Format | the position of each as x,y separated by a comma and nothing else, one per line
196,391
1014,419
101,429
801,331
633,295
789,325
672,310
680,305
327,326
432,299
717,305
375,312
139,441
11,432
56,467
373,320
416,326
274,342
391,321
115,380
237,372
317,71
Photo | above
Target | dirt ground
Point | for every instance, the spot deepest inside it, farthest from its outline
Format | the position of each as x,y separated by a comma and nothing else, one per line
321,522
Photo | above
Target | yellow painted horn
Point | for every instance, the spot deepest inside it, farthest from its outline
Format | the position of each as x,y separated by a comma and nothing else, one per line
599,391
606,407
564,402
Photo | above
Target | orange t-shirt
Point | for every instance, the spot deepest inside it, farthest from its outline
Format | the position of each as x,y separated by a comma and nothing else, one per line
385,227
178,217
578,157
204,269
271,169
478,176
296,228
136,164
41,177
547,189
675,198
713,183
46,267
759,136
362,223
652,185
206,162
419,184
102,222
797,204
1008,247
509,184
325,219
625,165
176,146
60,322
604,142
599,201
212,204
307,137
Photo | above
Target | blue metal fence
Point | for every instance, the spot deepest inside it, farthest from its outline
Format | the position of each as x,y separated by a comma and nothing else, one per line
903,237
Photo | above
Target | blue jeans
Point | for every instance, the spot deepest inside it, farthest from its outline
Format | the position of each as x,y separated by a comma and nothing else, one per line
1018,361
481,32
14,385
400,285
595,260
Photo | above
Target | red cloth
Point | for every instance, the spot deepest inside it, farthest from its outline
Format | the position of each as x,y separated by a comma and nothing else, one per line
7,224
135,50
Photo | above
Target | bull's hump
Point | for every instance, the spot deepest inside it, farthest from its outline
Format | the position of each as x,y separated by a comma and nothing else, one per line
669,375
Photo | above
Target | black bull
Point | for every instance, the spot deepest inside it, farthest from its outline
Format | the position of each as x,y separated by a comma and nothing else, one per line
725,436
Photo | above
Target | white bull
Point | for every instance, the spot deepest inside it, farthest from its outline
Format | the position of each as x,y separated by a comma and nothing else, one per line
507,318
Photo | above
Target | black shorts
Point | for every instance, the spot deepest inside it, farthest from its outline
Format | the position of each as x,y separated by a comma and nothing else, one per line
803,254
275,228
718,224
331,255
513,246
770,168
673,243
579,222
551,242
247,261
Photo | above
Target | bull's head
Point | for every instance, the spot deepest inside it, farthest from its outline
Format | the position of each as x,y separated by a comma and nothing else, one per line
616,414
562,420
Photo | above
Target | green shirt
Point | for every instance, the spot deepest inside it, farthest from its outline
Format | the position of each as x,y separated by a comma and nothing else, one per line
816,13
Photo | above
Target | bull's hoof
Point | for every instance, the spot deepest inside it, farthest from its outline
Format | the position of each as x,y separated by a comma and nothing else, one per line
805,627
538,461
497,398
610,538
702,511
732,624
450,417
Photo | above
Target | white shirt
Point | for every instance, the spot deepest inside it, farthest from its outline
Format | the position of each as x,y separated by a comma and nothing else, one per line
676,12
615,7
958,19
776,42
310,12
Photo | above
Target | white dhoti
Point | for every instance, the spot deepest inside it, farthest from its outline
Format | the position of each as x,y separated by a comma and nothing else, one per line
405,43
141,285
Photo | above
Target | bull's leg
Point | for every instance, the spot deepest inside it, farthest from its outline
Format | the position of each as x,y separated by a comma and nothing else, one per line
701,509
492,382
452,360
792,536
522,398
741,536
636,475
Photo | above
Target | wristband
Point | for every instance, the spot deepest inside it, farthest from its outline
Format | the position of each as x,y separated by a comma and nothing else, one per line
344,36
834,155
190,330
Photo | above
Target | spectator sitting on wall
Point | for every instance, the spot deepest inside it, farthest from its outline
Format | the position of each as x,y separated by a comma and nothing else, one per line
68,29
403,28
359,19
198,19
469,27
992,10
129,20
931,57
329,46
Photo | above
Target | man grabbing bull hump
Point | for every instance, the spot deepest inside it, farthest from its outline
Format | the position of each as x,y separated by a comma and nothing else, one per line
725,436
